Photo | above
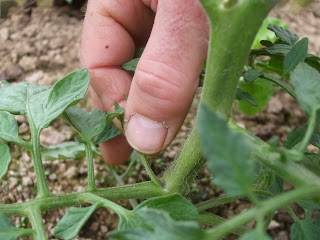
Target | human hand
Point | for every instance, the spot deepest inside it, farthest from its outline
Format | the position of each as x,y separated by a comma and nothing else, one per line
157,98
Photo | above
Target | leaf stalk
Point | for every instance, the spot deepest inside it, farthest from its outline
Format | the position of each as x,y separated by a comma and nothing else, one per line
42,184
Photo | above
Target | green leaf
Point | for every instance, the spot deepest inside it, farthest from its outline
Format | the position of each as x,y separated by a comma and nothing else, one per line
255,235
242,95
312,162
305,230
5,159
285,85
66,150
296,55
313,61
117,113
274,64
13,97
296,136
264,33
46,105
131,65
228,153
179,208
315,140
130,221
251,75
159,226
110,130
284,35
265,43
264,178
309,204
5,224
72,222
9,232
88,124
261,90
108,133
306,82
279,48
8,127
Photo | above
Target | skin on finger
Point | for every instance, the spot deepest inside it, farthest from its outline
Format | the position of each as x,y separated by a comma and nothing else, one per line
167,75
111,31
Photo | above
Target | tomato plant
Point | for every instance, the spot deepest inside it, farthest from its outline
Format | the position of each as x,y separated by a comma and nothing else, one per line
243,67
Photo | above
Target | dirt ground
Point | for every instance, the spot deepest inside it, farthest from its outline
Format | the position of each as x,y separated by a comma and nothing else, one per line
43,46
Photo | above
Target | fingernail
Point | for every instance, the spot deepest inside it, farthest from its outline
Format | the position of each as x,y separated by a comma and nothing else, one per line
145,135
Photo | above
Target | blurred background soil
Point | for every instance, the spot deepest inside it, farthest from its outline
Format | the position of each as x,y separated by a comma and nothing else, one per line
40,45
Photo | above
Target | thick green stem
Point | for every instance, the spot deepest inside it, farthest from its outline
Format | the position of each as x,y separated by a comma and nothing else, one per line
90,165
135,191
185,166
234,25
265,208
42,185
36,223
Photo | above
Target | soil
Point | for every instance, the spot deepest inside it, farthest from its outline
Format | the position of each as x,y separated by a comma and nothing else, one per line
42,46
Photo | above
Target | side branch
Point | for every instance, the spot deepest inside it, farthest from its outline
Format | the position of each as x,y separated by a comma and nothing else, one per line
135,191
265,208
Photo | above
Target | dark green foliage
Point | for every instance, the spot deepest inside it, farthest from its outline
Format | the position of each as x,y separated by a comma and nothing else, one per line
297,54
8,128
261,91
255,235
228,153
88,124
66,150
306,81
305,229
179,208
159,226
284,35
71,223
5,159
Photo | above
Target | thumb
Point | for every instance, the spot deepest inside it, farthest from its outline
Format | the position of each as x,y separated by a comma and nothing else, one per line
167,75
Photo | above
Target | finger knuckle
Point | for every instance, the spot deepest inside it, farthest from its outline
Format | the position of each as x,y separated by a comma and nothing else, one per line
160,88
